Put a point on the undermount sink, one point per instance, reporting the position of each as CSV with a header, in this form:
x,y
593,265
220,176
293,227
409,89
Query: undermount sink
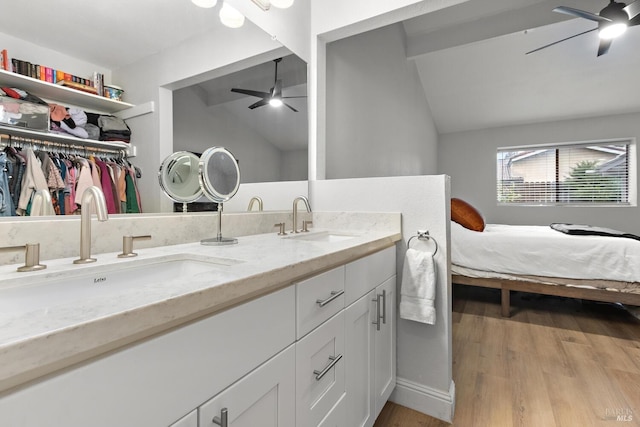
x,y
105,281
323,236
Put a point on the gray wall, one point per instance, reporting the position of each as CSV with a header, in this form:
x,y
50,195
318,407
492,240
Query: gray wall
x,y
470,159
197,127
378,119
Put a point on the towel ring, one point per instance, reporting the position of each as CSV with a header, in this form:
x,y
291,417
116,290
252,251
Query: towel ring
x,y
424,235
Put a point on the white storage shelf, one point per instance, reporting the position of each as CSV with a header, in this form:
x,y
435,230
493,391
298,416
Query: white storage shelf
x,y
61,94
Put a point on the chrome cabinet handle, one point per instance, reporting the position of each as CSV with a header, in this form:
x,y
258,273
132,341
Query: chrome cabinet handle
x,y
334,295
333,360
377,321
384,306
222,419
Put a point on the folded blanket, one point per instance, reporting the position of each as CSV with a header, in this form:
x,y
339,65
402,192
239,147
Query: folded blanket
x,y
589,230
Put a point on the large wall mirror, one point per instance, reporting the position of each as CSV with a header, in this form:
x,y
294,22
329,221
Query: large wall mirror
x,y
269,142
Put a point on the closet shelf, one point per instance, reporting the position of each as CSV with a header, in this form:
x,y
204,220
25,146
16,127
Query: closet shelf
x,y
61,94
69,140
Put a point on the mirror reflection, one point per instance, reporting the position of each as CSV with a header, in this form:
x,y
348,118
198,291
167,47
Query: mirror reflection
x,y
178,177
270,142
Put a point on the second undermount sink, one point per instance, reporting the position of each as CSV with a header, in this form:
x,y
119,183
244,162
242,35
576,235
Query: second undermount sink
x,y
323,236
108,281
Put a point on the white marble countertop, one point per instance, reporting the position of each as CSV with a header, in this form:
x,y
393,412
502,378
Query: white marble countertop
x,y
44,330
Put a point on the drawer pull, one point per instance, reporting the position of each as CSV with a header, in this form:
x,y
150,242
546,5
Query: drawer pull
x,y
222,419
384,306
332,361
378,317
334,295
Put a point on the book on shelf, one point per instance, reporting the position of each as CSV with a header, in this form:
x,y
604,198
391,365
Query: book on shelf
x,y
4,61
78,86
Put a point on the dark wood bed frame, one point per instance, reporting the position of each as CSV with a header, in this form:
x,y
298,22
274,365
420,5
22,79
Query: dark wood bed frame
x,y
506,286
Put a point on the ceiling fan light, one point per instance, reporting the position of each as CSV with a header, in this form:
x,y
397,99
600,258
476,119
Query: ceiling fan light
x,y
230,17
205,3
282,4
613,30
276,102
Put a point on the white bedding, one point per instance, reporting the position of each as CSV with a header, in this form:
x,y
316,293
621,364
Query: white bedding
x,y
541,251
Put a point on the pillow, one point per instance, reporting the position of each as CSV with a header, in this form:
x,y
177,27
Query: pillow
x,y
466,215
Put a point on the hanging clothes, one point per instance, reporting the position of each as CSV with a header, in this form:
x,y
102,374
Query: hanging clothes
x,y
32,180
6,170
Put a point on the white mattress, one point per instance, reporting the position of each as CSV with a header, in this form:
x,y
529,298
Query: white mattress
x,y
541,251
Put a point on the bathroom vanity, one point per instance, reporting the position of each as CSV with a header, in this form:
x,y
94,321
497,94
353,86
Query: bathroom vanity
x,y
294,330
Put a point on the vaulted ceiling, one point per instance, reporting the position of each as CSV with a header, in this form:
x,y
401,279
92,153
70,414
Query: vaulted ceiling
x,y
470,57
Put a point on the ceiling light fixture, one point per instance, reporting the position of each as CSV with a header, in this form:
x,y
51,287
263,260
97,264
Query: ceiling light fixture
x,y
276,102
205,3
230,17
612,30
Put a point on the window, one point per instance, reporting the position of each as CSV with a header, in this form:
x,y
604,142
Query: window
x,y
588,173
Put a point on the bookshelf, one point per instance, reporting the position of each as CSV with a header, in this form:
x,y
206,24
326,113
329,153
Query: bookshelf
x,y
61,94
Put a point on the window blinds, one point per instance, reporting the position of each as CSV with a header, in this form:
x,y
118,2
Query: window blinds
x,y
581,173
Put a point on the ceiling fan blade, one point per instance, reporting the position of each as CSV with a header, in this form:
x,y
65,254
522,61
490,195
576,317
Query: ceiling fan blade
x,y
604,46
252,92
260,103
633,10
635,21
290,107
560,41
581,14
289,97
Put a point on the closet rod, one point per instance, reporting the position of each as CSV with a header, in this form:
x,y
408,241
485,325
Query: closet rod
x,y
58,147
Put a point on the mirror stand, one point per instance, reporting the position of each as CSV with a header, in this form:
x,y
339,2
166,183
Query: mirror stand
x,y
219,240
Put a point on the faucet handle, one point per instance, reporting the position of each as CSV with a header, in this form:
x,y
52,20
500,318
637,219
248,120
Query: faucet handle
x,y
281,232
31,256
306,223
127,245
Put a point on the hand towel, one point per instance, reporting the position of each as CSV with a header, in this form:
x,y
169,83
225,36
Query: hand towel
x,y
418,288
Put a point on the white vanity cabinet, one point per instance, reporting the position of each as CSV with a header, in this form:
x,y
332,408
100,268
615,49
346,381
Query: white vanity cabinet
x,y
370,336
293,358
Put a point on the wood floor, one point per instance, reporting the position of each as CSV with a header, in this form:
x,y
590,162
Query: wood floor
x,y
556,362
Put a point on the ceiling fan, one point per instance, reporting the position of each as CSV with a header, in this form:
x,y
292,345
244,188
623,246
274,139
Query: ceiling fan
x,y
612,21
273,97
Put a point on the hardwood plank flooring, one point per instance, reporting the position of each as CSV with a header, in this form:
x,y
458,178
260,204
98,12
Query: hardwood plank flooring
x,y
557,362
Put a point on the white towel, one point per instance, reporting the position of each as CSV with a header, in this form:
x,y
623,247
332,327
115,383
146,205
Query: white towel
x,y
418,289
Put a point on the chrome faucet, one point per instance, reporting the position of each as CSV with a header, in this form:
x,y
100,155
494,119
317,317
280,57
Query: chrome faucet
x,y
295,211
92,196
255,199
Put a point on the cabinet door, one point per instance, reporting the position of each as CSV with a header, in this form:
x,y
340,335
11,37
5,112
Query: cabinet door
x,y
265,397
336,417
359,352
189,420
320,371
385,346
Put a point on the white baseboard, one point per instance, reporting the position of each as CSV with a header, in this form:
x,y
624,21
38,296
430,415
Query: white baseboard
x,y
435,403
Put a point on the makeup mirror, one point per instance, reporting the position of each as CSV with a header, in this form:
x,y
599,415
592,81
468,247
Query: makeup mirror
x,y
179,178
219,177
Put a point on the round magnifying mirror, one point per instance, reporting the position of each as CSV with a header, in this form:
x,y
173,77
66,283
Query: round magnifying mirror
x,y
219,174
179,178
219,178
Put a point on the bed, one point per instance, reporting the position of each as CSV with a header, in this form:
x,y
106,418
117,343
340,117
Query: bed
x,y
541,260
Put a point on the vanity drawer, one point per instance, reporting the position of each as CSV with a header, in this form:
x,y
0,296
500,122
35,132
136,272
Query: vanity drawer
x,y
317,299
363,275
320,375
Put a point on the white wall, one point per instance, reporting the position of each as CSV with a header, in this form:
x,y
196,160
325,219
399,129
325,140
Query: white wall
x,y
20,49
470,159
424,352
378,121
197,127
